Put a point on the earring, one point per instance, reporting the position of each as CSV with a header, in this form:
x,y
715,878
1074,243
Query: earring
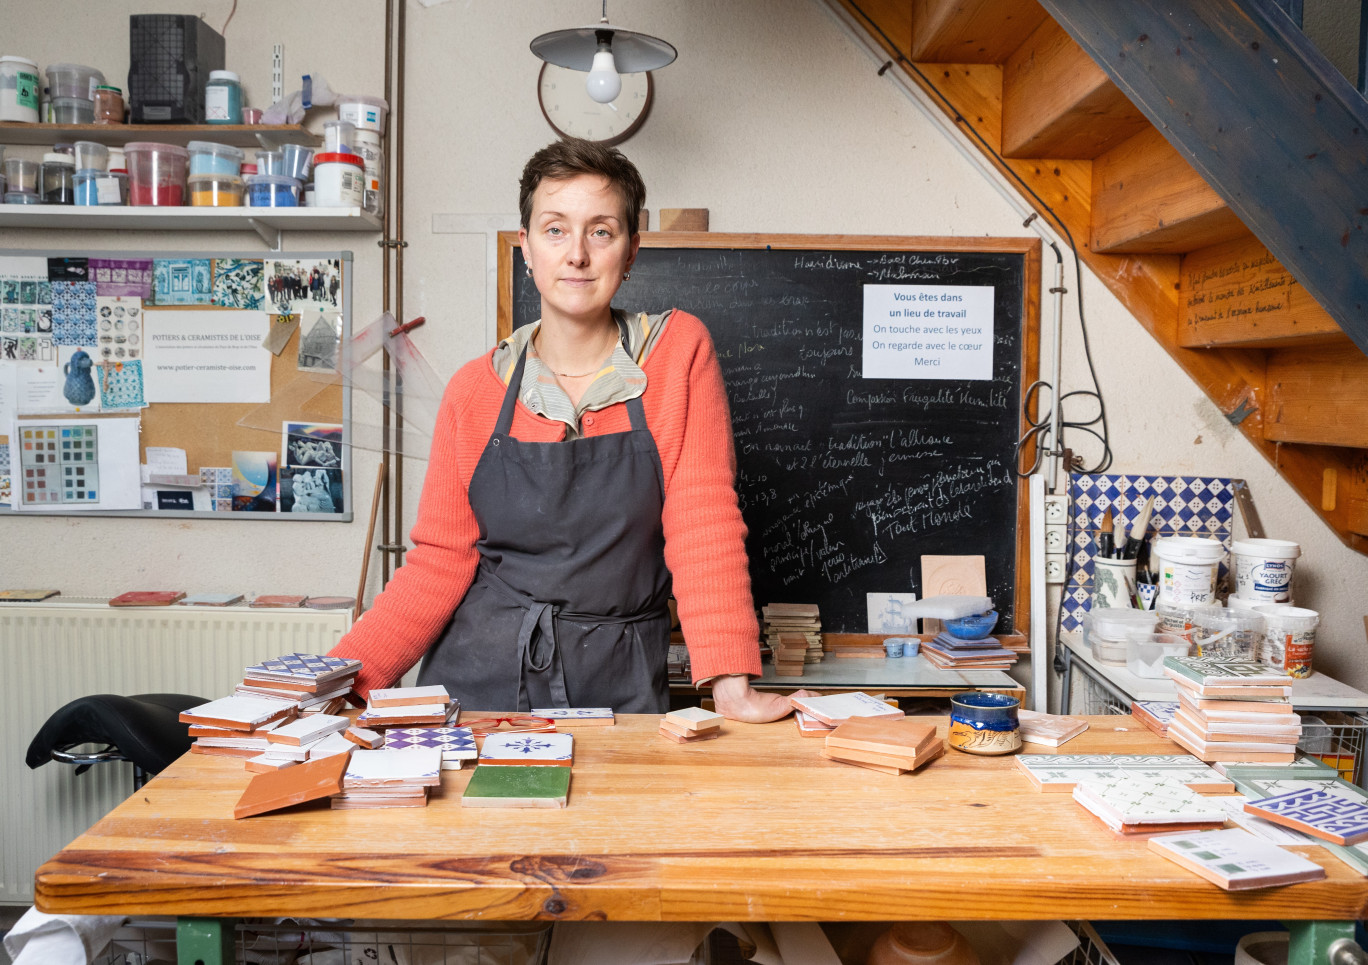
x,y
626,276
529,271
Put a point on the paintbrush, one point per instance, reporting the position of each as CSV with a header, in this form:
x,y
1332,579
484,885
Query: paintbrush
x,y
1137,533
1119,537
1104,538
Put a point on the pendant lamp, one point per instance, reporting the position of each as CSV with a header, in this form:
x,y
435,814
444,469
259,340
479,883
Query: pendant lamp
x,y
604,51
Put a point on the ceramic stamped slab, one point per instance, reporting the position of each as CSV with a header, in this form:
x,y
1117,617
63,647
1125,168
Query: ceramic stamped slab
x,y
1137,800
308,665
554,749
1060,772
1262,781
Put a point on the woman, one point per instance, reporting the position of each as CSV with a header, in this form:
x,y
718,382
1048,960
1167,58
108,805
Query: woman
x,y
577,471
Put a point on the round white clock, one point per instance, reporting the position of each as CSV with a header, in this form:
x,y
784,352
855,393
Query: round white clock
x,y
571,112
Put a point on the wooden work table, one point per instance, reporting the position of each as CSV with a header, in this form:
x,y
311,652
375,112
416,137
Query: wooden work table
x,y
754,827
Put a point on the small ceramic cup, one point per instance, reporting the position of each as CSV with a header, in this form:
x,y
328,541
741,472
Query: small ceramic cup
x,y
984,723
893,648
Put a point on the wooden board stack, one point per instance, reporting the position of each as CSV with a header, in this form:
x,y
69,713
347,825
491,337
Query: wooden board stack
x,y
952,653
314,683
789,651
522,771
794,628
690,725
409,707
389,778
854,645
888,746
1133,805
1232,710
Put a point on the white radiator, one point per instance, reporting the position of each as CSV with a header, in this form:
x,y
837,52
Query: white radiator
x,y
51,653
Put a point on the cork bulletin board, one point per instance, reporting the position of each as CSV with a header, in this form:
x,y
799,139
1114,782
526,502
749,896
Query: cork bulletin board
x,y
224,365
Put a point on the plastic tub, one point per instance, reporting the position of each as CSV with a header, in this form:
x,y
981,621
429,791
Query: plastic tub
x,y
296,161
339,137
215,190
19,89
1228,634
1263,569
1289,638
367,113
108,105
367,144
339,181
72,110
251,115
206,157
73,80
156,173
91,155
1186,568
117,161
270,162
21,174
272,191
223,98
1145,652
22,197
1106,629
59,179
247,169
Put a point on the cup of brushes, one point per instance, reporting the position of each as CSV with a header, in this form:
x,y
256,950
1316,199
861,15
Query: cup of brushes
x,y
1121,568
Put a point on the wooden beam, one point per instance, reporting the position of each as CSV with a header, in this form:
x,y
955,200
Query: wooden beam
x,y
1264,118
1146,198
894,18
1057,103
971,31
1236,293
1318,394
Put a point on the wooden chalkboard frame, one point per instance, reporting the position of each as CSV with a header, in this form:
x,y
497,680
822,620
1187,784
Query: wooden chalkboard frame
x,y
1028,248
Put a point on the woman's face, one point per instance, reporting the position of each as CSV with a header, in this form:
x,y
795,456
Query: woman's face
x,y
577,246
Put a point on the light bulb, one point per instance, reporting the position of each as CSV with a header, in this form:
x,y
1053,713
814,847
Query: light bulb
x,y
604,84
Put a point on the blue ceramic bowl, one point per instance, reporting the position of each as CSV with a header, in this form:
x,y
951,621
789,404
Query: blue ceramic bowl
x,y
973,627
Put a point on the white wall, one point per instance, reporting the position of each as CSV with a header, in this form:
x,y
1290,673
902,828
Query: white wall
x,y
772,118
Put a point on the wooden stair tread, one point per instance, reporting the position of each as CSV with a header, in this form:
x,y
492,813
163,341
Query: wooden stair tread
x,y
971,31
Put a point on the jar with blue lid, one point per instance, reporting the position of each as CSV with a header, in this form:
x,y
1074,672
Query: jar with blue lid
x,y
272,191
223,98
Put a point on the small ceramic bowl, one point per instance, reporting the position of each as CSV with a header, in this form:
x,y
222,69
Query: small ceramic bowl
x,y
972,627
984,723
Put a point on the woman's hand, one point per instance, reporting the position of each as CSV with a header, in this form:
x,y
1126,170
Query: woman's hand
x,y
735,699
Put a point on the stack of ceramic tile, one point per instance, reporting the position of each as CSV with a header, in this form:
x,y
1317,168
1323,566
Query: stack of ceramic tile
x,y
809,726
1154,714
890,746
236,726
790,653
1232,710
951,652
302,739
834,709
315,683
409,707
389,778
1130,804
690,725
1236,860
677,662
1050,730
457,744
790,622
522,771
577,716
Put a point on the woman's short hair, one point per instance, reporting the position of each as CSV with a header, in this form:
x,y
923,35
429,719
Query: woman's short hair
x,y
573,156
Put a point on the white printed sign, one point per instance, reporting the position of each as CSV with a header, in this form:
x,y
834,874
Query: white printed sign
x,y
206,356
928,332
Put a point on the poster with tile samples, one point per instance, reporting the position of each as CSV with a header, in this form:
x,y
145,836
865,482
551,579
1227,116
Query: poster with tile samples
x,y
77,333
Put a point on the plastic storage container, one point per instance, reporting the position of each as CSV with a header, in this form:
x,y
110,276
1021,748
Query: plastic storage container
x,y
339,181
272,191
108,105
1289,638
1228,634
1187,567
270,162
72,110
215,190
1145,652
367,113
156,173
73,80
20,89
207,157
91,155
296,161
59,179
101,188
223,98
1106,630
339,137
1262,569
22,197
367,144
21,174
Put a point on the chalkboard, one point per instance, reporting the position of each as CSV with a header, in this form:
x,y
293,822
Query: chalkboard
x,y
846,482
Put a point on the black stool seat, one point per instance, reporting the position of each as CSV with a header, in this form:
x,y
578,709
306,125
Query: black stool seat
x,y
144,728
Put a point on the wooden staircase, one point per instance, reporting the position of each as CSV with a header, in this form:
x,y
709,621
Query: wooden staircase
x,y
1166,240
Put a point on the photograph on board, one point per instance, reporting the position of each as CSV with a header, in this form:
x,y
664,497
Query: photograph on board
x,y
312,445
297,285
238,283
254,482
310,490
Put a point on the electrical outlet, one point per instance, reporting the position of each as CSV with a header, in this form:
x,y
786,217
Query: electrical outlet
x,y
1054,568
1055,538
1056,510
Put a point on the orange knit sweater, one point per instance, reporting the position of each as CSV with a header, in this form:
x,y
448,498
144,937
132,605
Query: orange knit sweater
x,y
686,411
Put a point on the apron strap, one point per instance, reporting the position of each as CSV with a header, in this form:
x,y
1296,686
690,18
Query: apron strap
x,y
510,400
537,652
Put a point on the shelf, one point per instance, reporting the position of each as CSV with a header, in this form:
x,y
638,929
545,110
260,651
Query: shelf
x,y
238,135
266,222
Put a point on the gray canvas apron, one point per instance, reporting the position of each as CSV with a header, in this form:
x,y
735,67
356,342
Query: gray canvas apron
x,y
568,606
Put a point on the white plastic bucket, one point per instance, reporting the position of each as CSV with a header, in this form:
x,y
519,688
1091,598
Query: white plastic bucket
x,y
367,113
1289,638
367,145
1263,569
338,181
19,89
1187,567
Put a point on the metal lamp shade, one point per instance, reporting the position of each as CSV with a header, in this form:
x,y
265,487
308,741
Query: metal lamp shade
x,y
574,48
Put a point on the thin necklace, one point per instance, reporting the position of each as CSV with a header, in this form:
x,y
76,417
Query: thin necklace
x,y
567,375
